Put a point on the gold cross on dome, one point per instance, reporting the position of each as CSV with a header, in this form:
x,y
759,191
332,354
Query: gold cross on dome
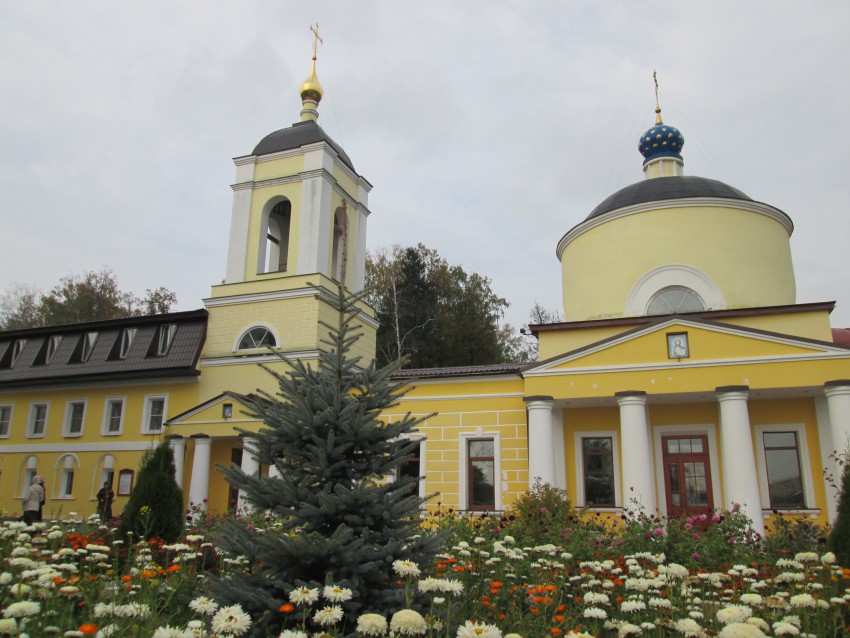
x,y
316,38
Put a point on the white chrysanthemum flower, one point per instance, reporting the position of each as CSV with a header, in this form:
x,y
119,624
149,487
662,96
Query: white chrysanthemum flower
x,y
741,630
408,622
785,629
107,631
204,606
689,628
596,598
751,599
19,589
231,620
168,632
510,540
328,616
734,614
6,578
569,634
828,558
628,629
406,568
782,563
595,613
806,557
371,625
22,609
8,627
293,633
337,594
478,630
304,595
631,606
660,603
802,600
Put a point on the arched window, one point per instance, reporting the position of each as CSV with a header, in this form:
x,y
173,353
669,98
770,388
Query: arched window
x,y
257,337
63,479
674,300
338,240
29,468
104,471
277,237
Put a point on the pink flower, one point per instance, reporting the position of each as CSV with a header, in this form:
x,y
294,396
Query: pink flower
x,y
658,531
716,518
697,537
688,526
695,556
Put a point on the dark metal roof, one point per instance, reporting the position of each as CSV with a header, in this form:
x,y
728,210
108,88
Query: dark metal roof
x,y
661,188
461,371
140,361
296,136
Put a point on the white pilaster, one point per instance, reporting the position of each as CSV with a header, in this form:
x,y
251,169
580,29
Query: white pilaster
x,y
178,448
638,486
541,455
237,247
250,466
314,225
838,417
740,476
199,486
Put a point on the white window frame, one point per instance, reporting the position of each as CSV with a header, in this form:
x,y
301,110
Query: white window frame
x,y
65,472
579,465
146,414
463,487
805,465
104,470
246,330
8,408
17,348
53,343
709,431
31,419
66,426
164,338
89,339
104,430
29,468
127,337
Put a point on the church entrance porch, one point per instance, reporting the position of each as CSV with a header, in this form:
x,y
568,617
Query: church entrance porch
x,y
687,475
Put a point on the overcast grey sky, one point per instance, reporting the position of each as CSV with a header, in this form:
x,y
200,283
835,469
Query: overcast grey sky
x,y
488,128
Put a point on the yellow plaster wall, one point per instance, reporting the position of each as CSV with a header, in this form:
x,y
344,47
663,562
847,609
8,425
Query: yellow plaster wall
x,y
283,167
811,325
747,255
554,343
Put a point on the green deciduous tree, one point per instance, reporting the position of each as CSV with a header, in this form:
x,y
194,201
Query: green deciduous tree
x,y
92,296
344,524
155,508
435,313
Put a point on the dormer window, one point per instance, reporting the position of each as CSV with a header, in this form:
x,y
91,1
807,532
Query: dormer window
x,y
48,349
257,337
13,351
164,337
127,336
84,348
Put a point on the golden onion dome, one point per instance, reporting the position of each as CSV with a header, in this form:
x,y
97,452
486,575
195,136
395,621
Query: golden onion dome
x,y
311,89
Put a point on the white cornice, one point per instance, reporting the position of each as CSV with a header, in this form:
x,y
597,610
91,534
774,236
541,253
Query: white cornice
x,y
67,446
685,202
212,362
255,297
469,397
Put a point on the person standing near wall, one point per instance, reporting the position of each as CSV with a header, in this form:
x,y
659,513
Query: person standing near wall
x,y
33,500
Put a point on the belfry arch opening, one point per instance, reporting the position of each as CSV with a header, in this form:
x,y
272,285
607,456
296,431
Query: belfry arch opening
x,y
274,241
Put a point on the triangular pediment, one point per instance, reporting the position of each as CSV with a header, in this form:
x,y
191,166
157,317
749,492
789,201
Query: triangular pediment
x,y
679,342
215,411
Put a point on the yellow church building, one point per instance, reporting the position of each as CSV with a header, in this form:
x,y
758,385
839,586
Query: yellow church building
x,y
685,377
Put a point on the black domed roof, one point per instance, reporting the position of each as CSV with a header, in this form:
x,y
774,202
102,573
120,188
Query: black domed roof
x,y
296,136
661,188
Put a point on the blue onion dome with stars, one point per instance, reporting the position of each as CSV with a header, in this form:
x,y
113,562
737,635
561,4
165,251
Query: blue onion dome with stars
x,y
662,140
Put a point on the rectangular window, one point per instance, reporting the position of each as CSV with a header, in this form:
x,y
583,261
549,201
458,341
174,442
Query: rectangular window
x,y
127,337
5,419
38,419
598,466
67,482
154,414
784,477
75,414
113,416
164,338
481,474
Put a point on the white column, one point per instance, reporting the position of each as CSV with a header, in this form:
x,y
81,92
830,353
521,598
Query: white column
x,y
199,487
541,455
178,448
250,466
273,471
838,410
638,483
740,477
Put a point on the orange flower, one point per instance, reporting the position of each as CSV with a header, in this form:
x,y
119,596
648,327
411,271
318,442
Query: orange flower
x,y
58,580
555,631
126,577
87,629
147,573
561,608
286,608
496,583
534,610
173,568
494,591
619,599
559,618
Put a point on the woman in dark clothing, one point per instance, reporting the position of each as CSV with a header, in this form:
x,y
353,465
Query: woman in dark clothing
x,y
105,496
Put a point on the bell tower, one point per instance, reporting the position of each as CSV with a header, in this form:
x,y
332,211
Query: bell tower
x,y
299,207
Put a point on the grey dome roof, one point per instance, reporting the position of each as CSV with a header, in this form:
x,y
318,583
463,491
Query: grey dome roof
x,y
296,136
661,188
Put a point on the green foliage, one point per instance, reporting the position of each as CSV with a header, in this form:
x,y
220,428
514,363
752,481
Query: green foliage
x,y
435,313
155,506
839,538
540,515
789,535
340,523
93,296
